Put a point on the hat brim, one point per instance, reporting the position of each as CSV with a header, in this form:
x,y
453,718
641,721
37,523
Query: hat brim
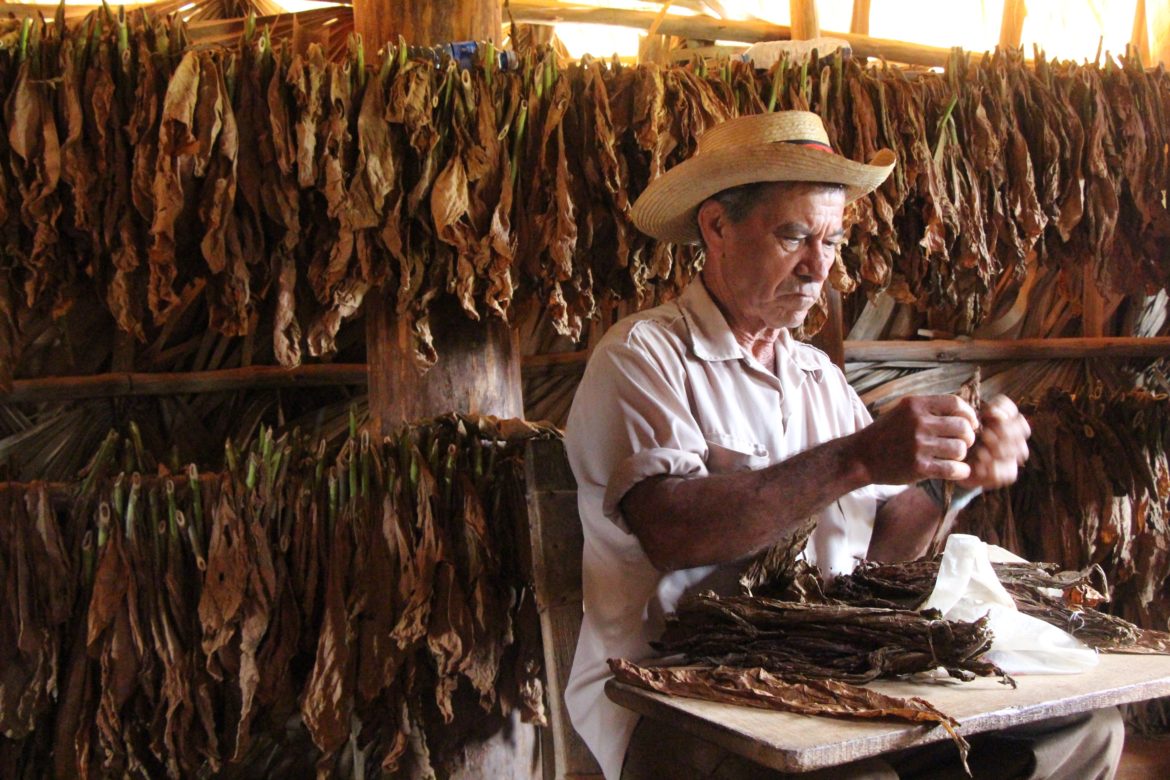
x,y
666,208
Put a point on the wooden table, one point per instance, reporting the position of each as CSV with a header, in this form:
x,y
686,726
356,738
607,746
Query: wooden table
x,y
800,743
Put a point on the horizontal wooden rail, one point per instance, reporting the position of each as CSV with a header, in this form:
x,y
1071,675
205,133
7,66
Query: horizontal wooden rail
x,y
71,388
707,28
977,350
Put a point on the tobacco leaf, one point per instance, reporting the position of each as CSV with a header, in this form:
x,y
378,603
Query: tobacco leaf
x,y
755,687
178,147
775,569
33,139
488,603
222,600
38,595
328,694
281,199
255,624
222,244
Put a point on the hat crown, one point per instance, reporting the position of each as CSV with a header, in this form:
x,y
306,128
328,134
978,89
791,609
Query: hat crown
x,y
778,127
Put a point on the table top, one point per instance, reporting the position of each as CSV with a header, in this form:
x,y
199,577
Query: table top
x,y
801,743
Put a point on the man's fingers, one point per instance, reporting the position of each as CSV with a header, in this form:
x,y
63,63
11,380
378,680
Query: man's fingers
x,y
938,468
947,448
1005,432
989,472
1002,410
952,406
952,427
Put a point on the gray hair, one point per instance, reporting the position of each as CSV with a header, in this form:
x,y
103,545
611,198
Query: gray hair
x,y
738,202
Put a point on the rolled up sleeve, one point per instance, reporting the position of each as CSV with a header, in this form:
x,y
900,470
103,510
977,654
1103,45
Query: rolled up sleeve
x,y
631,420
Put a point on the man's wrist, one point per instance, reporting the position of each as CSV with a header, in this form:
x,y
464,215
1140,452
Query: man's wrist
x,y
960,497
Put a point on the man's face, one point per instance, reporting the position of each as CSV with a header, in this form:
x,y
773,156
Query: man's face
x,y
767,271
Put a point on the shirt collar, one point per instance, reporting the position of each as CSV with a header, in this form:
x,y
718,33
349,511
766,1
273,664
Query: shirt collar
x,y
711,337
788,350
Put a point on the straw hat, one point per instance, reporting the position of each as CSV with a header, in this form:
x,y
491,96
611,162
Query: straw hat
x,y
781,146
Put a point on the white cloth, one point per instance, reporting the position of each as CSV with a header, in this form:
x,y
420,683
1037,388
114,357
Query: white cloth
x,y
670,391
967,588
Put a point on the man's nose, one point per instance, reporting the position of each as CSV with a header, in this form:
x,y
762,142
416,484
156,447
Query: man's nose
x,y
816,260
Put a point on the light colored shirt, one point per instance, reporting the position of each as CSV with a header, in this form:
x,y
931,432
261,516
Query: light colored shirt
x,y
670,391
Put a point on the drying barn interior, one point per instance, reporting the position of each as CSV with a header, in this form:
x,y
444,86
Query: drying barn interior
x,y
296,296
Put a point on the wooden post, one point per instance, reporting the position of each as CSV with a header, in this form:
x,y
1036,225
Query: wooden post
x,y
478,369
859,24
426,24
1140,38
1011,29
805,24
479,362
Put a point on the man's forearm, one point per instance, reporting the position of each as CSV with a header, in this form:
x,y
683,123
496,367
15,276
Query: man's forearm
x,y
683,523
904,526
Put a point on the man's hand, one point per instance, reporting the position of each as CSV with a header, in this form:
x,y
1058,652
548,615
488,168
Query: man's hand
x,y
923,437
942,427
1001,446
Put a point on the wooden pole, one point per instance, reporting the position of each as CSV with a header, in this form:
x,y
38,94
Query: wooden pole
x,y
1140,38
980,350
479,362
124,383
805,24
478,369
859,24
746,31
1011,29
426,23
653,47
72,388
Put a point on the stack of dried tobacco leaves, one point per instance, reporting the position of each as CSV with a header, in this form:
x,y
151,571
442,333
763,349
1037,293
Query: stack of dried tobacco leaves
x,y
809,658
299,608
284,187
823,641
1033,586
809,652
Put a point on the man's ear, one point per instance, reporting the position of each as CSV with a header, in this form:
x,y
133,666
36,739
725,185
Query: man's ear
x,y
712,220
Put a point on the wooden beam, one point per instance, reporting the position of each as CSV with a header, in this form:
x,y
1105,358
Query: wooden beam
x,y
805,24
1140,38
859,24
957,351
426,24
1011,28
983,350
120,384
706,28
72,388
699,27
478,370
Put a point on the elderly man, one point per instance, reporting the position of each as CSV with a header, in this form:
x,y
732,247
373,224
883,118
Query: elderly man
x,y
703,433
